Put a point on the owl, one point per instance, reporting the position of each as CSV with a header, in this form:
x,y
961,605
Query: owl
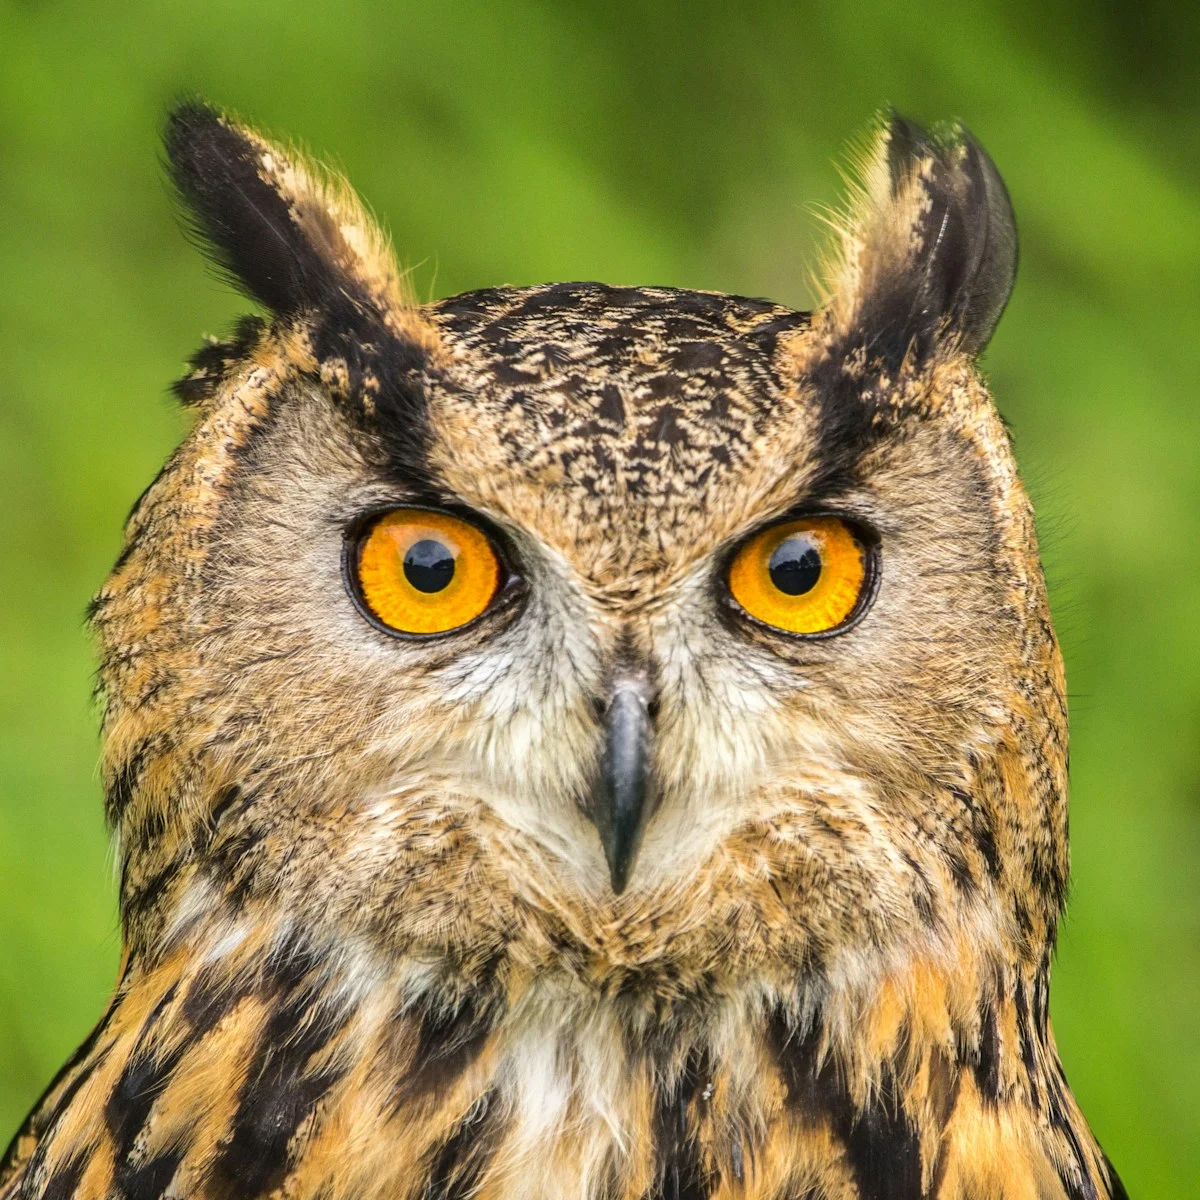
x,y
581,742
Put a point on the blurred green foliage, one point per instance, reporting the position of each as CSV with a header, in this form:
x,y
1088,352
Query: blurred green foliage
x,y
634,143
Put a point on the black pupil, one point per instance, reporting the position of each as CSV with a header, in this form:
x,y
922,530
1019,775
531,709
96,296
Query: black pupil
x,y
795,565
429,565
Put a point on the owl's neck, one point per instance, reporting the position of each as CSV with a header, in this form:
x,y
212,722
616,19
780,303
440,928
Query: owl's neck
x,y
248,1064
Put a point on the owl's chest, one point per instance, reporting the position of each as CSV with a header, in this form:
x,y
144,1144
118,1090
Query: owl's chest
x,y
575,1097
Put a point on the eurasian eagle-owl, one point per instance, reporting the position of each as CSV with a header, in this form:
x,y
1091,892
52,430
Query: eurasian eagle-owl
x,y
581,741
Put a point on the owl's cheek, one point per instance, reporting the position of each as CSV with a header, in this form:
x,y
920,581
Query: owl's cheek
x,y
721,776
724,716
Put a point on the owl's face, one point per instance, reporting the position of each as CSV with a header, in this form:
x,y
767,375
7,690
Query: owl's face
x,y
588,610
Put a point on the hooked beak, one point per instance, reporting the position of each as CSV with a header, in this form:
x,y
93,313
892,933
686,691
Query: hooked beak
x,y
623,798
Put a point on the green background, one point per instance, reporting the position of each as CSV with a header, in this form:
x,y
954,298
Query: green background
x,y
635,143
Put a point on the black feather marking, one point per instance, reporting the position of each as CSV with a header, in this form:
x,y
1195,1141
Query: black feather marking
x,y
986,1065
814,1088
448,1041
681,1173
458,1165
882,1145
956,289
142,1079
232,860
124,780
147,1180
983,829
245,223
985,839
1116,1188
1073,1173
384,382
280,1089
210,997
62,1183
1026,1040
968,255
853,415
210,365
136,903
251,230
272,1108
225,802
883,1148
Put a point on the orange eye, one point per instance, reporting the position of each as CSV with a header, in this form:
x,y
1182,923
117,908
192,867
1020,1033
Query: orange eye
x,y
426,572
803,576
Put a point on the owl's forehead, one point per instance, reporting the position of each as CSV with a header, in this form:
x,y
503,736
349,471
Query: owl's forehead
x,y
615,406
607,358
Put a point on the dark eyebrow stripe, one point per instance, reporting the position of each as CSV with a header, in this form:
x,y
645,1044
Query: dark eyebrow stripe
x,y
849,424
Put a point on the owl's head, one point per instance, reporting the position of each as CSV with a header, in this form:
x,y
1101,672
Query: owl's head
x,y
595,624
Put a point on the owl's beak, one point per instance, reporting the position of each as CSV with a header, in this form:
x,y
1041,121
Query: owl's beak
x,y
623,796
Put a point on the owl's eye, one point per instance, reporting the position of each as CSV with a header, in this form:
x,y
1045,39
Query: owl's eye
x,y
422,572
806,576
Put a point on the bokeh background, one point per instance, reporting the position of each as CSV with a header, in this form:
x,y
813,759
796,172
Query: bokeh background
x,y
683,144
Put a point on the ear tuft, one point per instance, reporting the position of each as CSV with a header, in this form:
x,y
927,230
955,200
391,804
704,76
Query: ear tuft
x,y
289,235
928,252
